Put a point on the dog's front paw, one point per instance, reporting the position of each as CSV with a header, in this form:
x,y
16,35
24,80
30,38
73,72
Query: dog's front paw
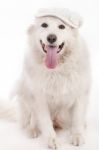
x,y
33,133
52,143
77,139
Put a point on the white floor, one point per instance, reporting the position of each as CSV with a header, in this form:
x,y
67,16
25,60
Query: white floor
x,y
13,138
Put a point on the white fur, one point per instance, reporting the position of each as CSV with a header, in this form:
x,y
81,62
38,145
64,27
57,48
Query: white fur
x,y
9,110
55,96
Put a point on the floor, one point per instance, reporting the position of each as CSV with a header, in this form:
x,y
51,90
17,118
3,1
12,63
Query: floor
x,y
13,138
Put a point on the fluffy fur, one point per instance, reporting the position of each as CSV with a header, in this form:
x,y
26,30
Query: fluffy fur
x,y
56,97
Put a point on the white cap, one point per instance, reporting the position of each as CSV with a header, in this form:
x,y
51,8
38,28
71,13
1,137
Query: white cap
x,y
68,17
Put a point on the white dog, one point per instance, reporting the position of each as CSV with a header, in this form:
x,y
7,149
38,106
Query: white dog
x,y
55,83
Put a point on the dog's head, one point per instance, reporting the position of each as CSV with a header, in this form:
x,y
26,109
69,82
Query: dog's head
x,y
51,40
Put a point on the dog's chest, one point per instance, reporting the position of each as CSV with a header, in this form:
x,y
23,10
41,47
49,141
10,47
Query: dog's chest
x,y
51,84
54,84
58,89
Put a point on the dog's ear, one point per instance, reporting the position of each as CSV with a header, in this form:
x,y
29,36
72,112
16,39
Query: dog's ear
x,y
30,29
75,20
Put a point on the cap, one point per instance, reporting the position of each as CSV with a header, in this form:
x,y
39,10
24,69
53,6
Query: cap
x,y
68,17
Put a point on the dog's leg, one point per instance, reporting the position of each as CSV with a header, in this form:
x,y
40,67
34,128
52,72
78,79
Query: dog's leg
x,y
32,129
27,119
78,121
45,123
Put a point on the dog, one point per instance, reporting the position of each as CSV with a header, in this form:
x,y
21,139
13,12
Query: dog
x,y
55,83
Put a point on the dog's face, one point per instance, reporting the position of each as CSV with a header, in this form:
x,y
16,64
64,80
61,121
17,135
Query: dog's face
x,y
52,39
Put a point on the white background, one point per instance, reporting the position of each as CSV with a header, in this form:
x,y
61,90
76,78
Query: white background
x,y
17,15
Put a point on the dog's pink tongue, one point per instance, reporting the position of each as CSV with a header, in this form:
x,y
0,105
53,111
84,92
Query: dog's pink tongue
x,y
51,59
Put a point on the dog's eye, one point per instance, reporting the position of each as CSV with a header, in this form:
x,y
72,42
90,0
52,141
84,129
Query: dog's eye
x,y
61,26
44,25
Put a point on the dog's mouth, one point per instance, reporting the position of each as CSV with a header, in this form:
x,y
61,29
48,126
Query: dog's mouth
x,y
44,46
51,58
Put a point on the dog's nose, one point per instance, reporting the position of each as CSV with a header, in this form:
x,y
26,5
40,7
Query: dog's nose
x,y
51,38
